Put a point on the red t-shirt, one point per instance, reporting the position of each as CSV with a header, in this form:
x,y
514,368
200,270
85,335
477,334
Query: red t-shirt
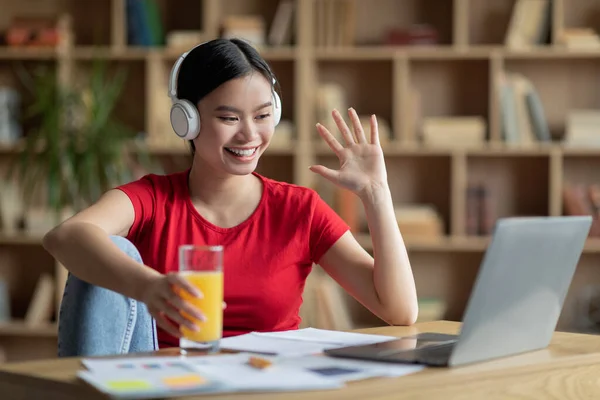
x,y
266,258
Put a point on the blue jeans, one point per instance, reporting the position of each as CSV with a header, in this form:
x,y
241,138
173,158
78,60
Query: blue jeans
x,y
95,321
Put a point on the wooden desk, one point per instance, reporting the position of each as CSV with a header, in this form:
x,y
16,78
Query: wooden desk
x,y
569,368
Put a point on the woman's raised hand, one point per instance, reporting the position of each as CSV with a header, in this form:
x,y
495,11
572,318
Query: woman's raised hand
x,y
362,167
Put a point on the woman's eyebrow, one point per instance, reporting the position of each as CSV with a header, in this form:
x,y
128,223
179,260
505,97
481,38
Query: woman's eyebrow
x,y
237,110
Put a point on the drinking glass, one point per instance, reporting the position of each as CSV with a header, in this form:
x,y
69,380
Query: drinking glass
x,y
202,267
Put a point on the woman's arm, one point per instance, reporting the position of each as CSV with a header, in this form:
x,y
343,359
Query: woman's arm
x,y
82,244
385,283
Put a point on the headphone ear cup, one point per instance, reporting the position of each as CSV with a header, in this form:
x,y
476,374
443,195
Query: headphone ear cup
x,y
276,108
185,119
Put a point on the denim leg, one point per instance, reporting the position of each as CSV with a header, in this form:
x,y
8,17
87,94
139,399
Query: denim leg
x,y
95,321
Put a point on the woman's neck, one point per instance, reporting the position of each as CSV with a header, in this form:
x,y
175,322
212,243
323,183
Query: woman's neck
x,y
217,191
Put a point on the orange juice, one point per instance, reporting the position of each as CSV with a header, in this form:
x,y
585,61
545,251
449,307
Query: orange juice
x,y
210,284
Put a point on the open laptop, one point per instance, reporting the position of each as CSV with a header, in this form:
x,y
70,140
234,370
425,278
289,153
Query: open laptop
x,y
516,300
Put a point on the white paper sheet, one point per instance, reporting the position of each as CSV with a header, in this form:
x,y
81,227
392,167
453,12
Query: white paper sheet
x,y
135,364
338,369
346,370
150,377
300,342
159,380
278,377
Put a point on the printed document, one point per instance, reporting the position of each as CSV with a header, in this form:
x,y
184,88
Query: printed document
x,y
299,342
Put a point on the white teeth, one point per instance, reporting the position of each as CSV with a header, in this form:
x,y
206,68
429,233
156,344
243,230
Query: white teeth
x,y
242,153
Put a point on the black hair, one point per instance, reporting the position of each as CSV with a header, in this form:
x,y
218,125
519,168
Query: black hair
x,y
215,62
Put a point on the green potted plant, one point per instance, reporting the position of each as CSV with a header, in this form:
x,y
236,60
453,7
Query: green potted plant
x,y
76,149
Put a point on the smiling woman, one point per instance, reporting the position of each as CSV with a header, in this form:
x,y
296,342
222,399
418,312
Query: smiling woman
x,y
225,103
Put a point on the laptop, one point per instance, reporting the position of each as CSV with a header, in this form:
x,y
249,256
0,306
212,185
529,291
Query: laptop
x,y
516,300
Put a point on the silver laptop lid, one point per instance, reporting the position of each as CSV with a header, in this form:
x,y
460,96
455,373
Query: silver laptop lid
x,y
521,286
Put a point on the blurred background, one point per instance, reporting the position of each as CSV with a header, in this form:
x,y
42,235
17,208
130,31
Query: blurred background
x,y
486,109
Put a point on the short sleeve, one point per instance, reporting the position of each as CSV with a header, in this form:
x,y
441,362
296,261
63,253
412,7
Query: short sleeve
x,y
142,194
325,229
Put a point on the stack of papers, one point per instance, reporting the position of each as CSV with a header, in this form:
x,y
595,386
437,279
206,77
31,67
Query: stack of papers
x,y
298,342
294,367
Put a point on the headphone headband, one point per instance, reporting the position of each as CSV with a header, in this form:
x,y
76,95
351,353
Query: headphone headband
x,y
175,73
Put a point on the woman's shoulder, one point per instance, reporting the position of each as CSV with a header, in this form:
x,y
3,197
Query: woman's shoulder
x,y
281,190
156,183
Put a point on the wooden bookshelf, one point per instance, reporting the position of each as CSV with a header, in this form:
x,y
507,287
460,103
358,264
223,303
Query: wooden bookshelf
x,y
455,77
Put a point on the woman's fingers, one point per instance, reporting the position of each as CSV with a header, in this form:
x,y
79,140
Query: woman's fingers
x,y
374,130
186,307
167,326
176,280
358,130
329,139
175,315
344,130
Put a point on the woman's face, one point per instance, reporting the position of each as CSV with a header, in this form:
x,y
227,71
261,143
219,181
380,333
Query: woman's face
x,y
236,125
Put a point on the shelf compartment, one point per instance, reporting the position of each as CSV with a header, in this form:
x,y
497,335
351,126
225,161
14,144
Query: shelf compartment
x,y
20,269
130,106
277,166
264,9
562,85
582,298
413,180
447,88
26,348
91,21
489,21
391,14
513,186
580,182
364,85
583,169
447,276
173,19
580,14
17,75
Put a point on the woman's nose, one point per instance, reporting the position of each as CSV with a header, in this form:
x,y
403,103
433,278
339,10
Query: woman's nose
x,y
249,131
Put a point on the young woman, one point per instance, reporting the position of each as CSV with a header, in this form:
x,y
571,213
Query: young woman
x,y
272,232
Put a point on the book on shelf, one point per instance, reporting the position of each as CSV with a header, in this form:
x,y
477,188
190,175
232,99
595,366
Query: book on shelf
x,y
582,128
42,303
529,25
281,30
480,213
419,221
579,39
522,117
453,131
250,28
335,23
413,35
143,23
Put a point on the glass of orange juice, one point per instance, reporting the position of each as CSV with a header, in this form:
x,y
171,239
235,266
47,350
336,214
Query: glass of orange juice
x,y
202,266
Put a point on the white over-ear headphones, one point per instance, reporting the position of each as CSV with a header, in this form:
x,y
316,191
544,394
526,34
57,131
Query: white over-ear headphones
x,y
185,119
